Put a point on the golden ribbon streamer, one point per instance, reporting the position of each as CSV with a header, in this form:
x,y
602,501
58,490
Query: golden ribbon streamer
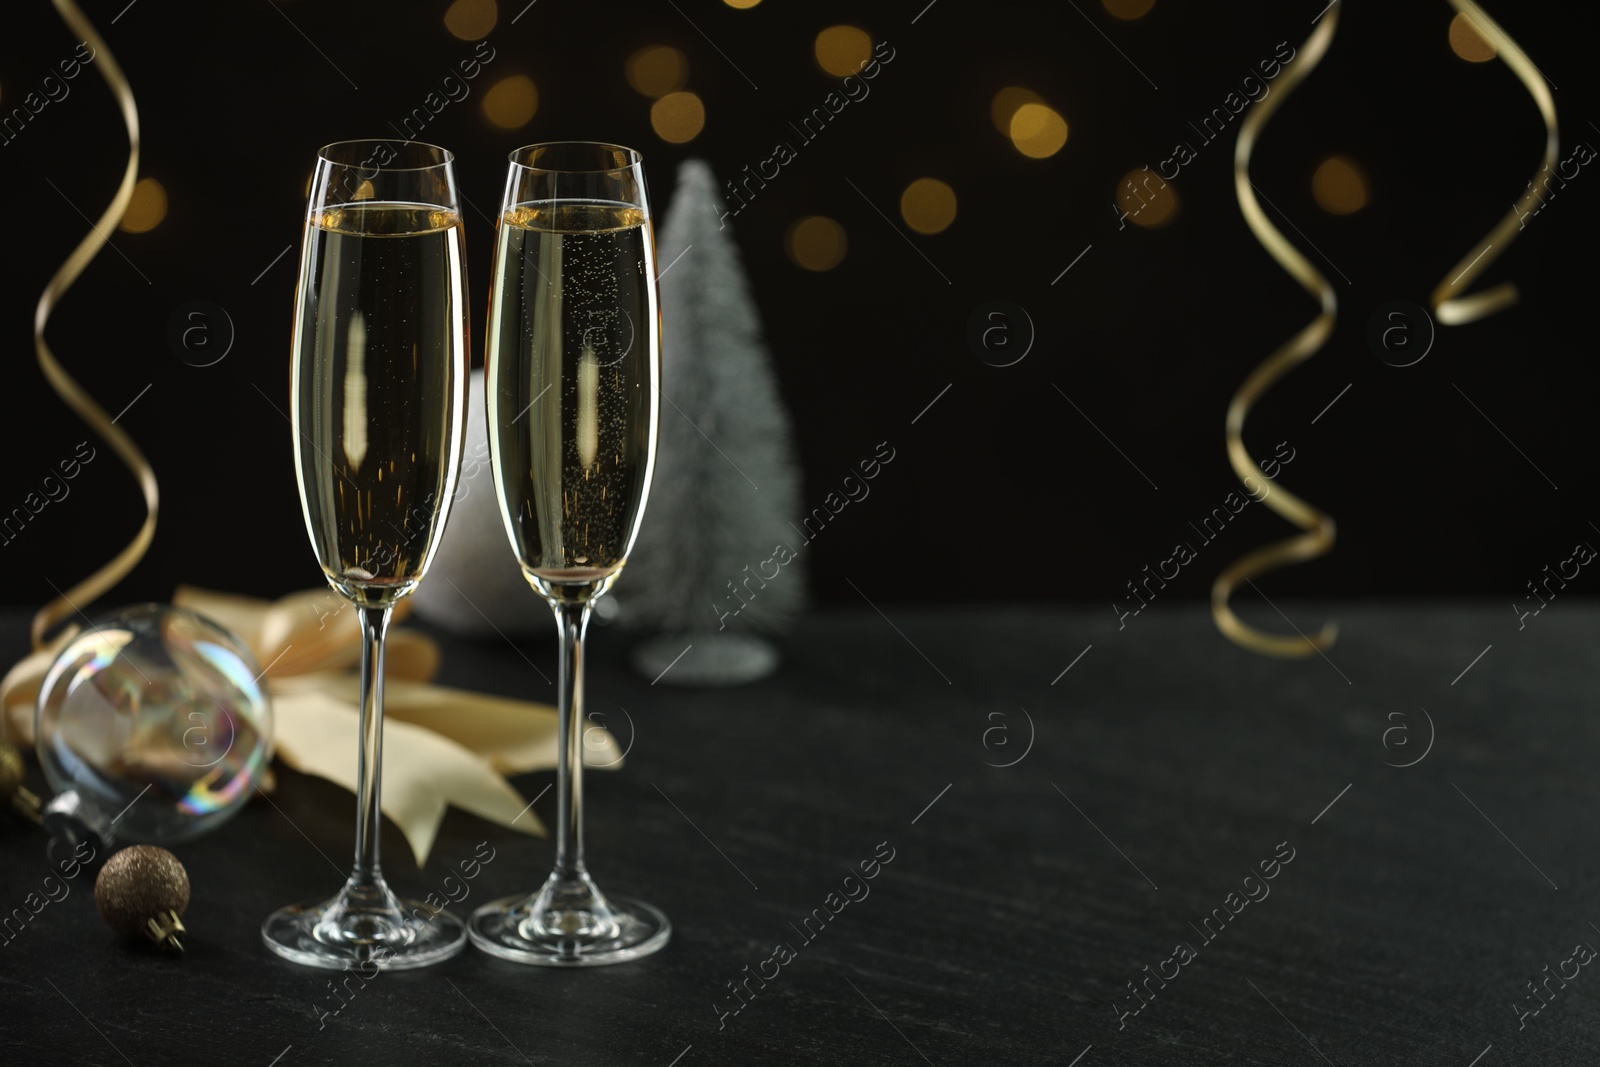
x,y
94,586
1317,540
1449,308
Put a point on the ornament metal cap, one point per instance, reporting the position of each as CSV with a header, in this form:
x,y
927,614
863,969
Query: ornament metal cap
x,y
68,818
164,929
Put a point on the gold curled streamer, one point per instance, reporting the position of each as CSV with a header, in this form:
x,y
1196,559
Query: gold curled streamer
x,y
1449,308
1317,540
94,586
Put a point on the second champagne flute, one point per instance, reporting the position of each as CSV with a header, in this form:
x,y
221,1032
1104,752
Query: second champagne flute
x,y
571,372
378,390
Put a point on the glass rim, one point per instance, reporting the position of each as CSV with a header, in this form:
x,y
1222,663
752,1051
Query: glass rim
x,y
517,156
446,157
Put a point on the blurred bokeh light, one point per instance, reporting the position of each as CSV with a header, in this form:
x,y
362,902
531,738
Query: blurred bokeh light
x,y
928,205
1340,186
678,117
841,50
147,208
657,70
471,20
816,243
1468,41
1038,131
1128,9
511,102
1149,201
1005,104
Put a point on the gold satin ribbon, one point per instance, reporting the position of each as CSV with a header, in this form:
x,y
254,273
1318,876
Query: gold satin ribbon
x,y
1317,540
442,747
1448,307
95,586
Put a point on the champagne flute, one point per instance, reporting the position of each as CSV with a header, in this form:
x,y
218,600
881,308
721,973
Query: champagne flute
x,y
379,397
571,372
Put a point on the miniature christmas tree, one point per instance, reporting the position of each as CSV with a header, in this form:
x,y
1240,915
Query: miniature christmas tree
x,y
715,563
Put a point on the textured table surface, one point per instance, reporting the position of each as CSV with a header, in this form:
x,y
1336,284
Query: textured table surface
x,y
1165,766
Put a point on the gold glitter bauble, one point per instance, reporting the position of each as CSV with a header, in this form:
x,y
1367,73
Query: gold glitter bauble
x,y
143,890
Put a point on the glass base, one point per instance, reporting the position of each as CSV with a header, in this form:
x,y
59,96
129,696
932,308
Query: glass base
x,y
364,925
569,923
719,659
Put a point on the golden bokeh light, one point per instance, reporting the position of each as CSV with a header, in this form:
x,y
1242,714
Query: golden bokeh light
x,y
147,208
742,5
1038,131
1468,41
1147,199
1128,9
471,20
678,117
928,205
1005,104
657,70
511,102
1339,186
841,50
816,243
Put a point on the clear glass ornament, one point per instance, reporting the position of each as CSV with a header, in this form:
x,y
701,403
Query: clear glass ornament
x,y
152,727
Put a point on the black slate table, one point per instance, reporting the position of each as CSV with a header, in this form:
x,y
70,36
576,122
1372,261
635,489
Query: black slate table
x,y
1022,904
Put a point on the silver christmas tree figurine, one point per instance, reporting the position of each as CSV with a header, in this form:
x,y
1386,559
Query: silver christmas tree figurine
x,y
716,563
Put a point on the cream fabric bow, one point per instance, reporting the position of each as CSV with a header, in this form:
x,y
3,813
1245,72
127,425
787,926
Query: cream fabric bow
x,y
441,746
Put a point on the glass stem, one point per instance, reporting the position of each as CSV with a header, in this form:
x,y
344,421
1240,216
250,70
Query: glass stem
x,y
369,768
573,620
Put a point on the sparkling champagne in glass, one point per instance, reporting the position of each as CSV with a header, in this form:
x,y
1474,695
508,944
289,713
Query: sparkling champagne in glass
x,y
571,374
378,388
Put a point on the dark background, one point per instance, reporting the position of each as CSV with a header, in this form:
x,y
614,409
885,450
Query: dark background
x,y
1027,893
1150,333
